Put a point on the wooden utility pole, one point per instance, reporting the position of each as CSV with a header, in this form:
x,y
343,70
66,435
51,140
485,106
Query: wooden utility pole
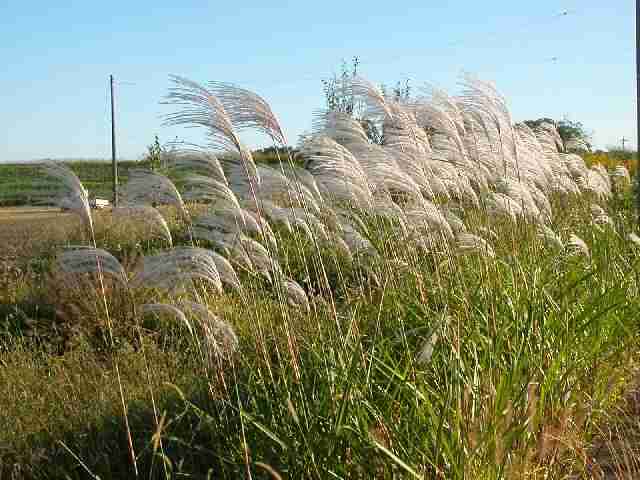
x,y
114,162
624,140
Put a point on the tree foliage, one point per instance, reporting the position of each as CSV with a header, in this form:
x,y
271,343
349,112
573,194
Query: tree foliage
x,y
575,136
339,98
155,153
336,89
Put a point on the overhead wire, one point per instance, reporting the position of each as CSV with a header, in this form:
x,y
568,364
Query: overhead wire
x,y
524,27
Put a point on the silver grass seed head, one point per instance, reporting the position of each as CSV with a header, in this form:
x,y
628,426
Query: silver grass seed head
x,y
219,337
73,196
83,259
576,246
165,309
150,188
622,174
199,162
634,239
469,243
247,110
172,268
200,107
296,296
147,215
550,237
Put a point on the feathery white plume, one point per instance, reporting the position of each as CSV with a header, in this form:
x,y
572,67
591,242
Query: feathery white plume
x,y
426,214
550,237
73,195
163,308
246,109
81,259
599,216
171,268
227,220
220,338
202,108
336,170
621,173
467,243
201,188
499,204
577,246
296,296
635,239
358,245
261,260
147,215
456,223
426,351
194,161
149,188
339,126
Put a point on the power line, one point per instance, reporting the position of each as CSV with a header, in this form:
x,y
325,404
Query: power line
x,y
382,60
525,26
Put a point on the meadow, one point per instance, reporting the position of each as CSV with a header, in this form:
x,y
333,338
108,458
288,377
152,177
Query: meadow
x,y
23,183
459,301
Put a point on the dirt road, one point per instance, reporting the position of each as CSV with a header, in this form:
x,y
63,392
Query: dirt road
x,y
24,230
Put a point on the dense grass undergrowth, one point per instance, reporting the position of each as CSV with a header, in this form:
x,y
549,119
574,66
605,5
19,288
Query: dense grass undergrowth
x,y
441,366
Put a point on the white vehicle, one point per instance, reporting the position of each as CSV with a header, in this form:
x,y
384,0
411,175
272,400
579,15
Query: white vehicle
x,y
99,203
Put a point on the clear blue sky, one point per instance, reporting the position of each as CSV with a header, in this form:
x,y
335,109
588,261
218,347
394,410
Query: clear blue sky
x,y
53,88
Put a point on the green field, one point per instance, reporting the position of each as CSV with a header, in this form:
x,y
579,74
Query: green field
x,y
23,183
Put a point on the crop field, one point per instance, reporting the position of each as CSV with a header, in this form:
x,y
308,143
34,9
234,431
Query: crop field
x,y
457,300
22,183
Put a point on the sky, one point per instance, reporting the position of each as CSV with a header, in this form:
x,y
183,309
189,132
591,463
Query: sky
x,y
569,59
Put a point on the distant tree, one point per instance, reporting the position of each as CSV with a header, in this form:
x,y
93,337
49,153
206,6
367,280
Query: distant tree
x,y
574,135
336,89
273,154
338,98
402,91
154,155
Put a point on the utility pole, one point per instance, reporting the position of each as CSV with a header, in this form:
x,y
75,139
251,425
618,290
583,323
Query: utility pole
x,y
624,140
114,162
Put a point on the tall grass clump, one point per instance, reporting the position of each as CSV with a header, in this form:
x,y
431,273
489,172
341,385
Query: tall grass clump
x,y
458,301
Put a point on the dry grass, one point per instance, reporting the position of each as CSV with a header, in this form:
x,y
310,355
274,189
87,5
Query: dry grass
x,y
23,230
615,447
